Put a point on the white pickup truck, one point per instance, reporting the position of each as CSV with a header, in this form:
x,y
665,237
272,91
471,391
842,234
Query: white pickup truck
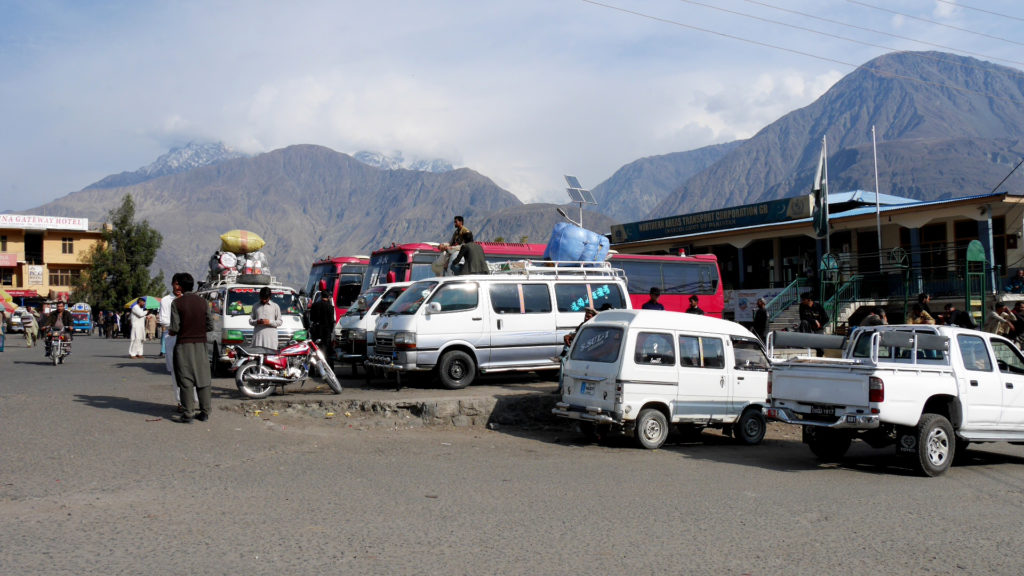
x,y
930,390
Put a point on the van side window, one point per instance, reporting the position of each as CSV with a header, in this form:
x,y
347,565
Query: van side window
x,y
576,297
714,352
749,355
701,352
457,296
505,298
974,353
536,298
520,298
654,348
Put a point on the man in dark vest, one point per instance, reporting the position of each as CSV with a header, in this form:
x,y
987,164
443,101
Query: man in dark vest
x,y
472,255
190,321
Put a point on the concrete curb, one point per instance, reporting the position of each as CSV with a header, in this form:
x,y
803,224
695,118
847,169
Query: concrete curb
x,y
526,409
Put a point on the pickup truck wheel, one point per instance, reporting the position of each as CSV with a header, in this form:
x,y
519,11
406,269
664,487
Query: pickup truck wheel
x,y
751,427
456,370
936,445
651,428
829,445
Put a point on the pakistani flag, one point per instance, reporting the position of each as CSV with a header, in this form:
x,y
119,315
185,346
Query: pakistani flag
x,y
819,213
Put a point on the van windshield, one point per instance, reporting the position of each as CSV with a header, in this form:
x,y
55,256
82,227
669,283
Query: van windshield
x,y
368,298
414,297
241,300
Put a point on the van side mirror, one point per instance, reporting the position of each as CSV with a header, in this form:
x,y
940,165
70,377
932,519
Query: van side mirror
x,y
433,308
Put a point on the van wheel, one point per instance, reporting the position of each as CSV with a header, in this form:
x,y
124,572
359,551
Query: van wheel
x,y
751,427
829,445
651,428
456,370
936,445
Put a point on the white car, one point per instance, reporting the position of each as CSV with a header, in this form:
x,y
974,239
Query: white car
x,y
15,324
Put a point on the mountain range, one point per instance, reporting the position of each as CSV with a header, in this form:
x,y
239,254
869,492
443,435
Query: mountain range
x,y
946,126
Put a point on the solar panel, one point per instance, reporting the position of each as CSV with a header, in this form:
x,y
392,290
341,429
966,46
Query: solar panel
x,y
573,182
588,197
576,194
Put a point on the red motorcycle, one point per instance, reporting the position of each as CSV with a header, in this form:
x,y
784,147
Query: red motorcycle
x,y
258,371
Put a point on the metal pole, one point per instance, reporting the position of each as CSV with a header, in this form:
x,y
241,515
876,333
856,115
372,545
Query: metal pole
x,y
828,226
878,207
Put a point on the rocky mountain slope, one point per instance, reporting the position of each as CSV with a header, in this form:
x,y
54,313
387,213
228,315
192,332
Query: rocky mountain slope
x,y
946,126
305,201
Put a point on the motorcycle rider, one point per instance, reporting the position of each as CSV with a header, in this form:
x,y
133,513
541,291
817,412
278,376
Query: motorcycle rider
x,y
58,320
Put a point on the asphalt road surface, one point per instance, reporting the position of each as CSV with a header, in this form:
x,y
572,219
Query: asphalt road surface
x,y
96,479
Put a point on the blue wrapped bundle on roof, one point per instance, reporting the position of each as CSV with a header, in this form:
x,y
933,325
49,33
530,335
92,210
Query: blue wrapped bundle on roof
x,y
570,243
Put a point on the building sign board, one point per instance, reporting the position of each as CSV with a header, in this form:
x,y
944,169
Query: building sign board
x,y
35,275
34,222
8,260
759,214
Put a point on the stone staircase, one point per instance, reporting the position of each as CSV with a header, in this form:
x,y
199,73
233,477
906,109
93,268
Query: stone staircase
x,y
789,319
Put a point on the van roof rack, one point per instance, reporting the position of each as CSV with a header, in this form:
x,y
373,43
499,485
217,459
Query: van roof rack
x,y
556,268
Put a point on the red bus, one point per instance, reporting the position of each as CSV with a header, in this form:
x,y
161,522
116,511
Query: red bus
x,y
411,262
679,277
343,279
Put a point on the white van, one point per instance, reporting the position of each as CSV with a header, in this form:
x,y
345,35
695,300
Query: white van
x,y
353,333
232,304
464,325
639,372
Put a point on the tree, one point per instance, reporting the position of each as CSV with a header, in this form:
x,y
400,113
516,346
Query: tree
x,y
118,267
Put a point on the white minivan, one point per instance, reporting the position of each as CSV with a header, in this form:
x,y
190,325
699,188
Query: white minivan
x,y
353,332
640,372
460,326
231,305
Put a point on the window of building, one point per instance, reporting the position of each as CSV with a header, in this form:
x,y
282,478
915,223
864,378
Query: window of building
x,y
67,245
6,277
3,243
63,276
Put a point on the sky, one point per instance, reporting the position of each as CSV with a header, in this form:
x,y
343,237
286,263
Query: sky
x,y
522,91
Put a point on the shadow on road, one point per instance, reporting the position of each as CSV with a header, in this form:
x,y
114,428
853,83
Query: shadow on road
x,y
126,405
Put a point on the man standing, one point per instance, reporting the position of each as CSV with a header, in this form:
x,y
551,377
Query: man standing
x,y
321,318
265,318
813,317
694,308
761,320
31,327
190,321
138,334
653,303
999,321
472,257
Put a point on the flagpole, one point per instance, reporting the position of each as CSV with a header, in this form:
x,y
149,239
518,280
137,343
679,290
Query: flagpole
x,y
824,203
878,205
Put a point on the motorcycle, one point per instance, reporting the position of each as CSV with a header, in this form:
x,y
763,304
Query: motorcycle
x,y
258,371
58,345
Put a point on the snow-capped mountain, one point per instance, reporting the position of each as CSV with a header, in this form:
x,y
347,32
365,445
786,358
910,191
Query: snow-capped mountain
x,y
182,159
398,162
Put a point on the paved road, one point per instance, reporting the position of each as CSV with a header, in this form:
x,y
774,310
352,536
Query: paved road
x,y
94,479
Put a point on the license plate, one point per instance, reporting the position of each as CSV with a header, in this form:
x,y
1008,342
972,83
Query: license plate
x,y
587,388
823,410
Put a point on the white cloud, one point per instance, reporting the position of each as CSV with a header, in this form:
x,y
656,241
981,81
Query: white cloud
x,y
522,92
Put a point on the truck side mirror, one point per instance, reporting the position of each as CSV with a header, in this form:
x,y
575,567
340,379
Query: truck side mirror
x,y
433,308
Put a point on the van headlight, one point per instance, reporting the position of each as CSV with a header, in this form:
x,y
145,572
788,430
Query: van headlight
x,y
406,340
357,334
